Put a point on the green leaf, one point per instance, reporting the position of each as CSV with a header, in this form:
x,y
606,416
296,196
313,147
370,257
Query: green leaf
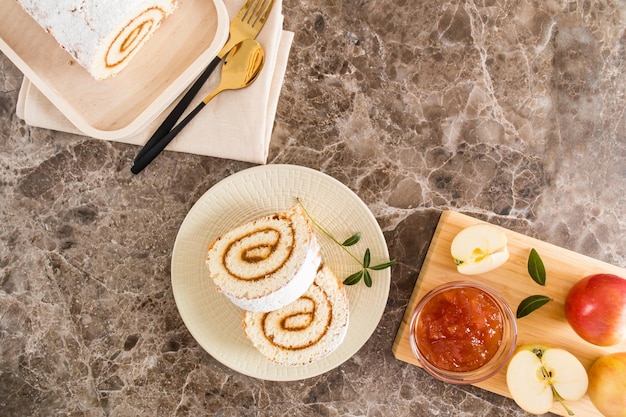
x,y
536,270
354,278
530,304
367,278
385,265
367,258
352,240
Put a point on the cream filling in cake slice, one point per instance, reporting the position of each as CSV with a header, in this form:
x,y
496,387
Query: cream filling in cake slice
x,y
267,263
306,330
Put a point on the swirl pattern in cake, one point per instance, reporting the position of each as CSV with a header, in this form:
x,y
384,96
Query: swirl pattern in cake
x,y
307,329
101,35
132,36
260,252
267,263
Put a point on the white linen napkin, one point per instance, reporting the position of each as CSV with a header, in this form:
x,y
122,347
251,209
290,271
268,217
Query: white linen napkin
x,y
235,125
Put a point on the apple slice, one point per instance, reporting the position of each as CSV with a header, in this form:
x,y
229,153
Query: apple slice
x,y
479,248
537,375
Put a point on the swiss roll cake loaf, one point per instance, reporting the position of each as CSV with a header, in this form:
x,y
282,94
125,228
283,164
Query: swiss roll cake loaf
x,y
267,263
101,35
306,330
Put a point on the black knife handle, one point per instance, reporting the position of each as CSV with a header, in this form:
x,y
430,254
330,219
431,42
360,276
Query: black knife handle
x,y
152,153
178,110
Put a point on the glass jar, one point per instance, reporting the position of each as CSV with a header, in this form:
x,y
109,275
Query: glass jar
x,y
463,332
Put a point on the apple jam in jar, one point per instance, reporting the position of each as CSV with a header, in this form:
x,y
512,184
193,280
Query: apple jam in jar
x,y
462,332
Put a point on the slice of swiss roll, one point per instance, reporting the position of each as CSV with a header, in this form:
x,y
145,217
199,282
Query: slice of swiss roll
x,y
101,35
267,263
306,330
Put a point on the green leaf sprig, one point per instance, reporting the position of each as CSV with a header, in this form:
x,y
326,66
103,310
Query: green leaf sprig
x,y
364,273
537,272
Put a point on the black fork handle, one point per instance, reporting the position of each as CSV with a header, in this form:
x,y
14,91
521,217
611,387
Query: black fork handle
x,y
150,154
178,110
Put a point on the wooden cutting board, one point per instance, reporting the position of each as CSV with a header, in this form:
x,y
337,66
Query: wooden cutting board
x,y
546,325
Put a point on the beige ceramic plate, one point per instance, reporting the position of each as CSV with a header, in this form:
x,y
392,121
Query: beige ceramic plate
x,y
215,322
120,106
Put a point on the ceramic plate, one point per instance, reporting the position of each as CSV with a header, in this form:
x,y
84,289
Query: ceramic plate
x,y
215,322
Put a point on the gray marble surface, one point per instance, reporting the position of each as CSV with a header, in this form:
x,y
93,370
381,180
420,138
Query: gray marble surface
x,y
511,111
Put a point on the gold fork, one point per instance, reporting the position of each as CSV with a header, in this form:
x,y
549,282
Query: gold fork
x,y
245,25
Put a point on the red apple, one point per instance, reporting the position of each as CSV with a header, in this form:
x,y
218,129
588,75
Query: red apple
x,y
595,307
607,384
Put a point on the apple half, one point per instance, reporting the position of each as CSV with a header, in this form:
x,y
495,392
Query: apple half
x,y
479,248
537,375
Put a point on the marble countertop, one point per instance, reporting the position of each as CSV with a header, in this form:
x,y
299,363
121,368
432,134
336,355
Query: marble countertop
x,y
510,111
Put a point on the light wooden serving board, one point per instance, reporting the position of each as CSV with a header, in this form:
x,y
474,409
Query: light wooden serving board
x,y
546,325
119,106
